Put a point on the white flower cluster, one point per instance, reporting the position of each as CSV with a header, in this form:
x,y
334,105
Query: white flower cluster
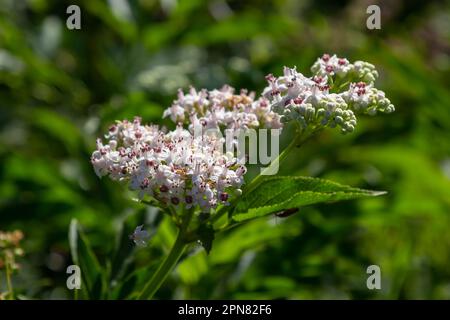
x,y
362,97
332,97
175,167
328,66
222,109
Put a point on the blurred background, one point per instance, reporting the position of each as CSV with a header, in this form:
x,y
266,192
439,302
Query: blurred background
x,y
60,89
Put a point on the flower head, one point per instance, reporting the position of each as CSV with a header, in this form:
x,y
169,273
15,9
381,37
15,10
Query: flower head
x,y
222,109
176,168
332,66
332,97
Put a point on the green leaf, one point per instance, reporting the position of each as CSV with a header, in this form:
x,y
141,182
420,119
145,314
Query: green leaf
x,y
131,285
92,275
53,124
276,194
125,249
193,267
253,236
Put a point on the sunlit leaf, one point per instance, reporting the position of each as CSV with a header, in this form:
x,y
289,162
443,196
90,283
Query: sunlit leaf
x,y
276,194
91,272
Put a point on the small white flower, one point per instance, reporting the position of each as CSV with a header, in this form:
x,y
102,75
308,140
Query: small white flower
x,y
140,237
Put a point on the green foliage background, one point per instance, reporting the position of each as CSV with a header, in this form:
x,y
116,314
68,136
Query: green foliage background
x,y
59,90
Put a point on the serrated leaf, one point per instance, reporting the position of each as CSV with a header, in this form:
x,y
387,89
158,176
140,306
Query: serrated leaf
x,y
276,194
92,275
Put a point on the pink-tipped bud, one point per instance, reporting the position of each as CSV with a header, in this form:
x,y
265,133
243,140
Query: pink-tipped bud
x,y
188,199
223,196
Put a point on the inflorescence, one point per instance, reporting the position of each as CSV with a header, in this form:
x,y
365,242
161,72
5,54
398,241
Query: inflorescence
x,y
222,109
180,168
332,97
174,167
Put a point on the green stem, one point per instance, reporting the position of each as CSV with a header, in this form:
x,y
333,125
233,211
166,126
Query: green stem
x,y
300,138
8,280
295,143
169,263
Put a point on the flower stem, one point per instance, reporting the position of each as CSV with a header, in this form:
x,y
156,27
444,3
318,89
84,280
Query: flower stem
x,y
169,263
300,138
295,143
8,280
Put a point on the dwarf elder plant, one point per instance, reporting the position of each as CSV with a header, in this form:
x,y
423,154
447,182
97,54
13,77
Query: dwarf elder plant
x,y
187,175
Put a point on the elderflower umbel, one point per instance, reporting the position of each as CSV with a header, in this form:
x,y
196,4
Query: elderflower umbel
x,y
328,66
222,109
337,91
175,167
